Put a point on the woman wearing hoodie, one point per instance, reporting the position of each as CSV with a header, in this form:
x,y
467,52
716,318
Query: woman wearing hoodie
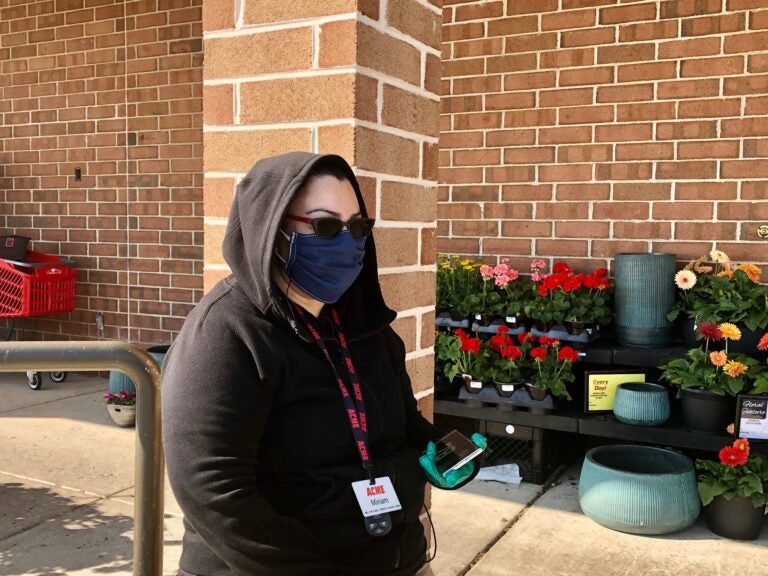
x,y
286,402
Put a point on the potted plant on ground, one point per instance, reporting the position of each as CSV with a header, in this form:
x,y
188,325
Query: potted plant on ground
x,y
715,289
710,379
121,407
734,491
507,361
551,368
465,357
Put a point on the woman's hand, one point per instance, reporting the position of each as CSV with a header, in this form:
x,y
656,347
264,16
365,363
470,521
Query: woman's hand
x,y
453,478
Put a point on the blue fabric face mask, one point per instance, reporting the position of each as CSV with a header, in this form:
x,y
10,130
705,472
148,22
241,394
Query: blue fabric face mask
x,y
324,268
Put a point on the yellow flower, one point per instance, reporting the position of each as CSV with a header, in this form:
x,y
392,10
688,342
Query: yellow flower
x,y
466,262
735,369
467,267
718,358
719,256
752,271
726,274
730,331
685,279
445,266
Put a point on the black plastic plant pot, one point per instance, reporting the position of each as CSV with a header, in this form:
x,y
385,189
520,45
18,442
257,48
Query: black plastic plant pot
x,y
705,411
737,518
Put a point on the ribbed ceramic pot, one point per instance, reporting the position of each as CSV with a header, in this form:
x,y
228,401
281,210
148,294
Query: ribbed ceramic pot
x,y
645,290
641,404
639,489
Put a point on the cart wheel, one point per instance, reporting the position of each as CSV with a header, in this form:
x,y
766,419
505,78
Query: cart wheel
x,y
57,376
35,381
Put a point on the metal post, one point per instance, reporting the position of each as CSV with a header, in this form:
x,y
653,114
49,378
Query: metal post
x,y
139,366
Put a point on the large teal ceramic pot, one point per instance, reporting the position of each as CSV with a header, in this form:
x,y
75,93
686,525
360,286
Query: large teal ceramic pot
x,y
119,381
645,291
641,404
639,489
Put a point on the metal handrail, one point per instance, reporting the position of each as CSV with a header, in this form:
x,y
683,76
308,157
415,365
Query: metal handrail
x,y
142,369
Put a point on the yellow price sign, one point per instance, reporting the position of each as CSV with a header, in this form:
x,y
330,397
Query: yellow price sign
x,y
600,389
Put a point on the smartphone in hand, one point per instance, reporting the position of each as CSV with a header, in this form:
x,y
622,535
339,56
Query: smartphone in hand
x,y
453,451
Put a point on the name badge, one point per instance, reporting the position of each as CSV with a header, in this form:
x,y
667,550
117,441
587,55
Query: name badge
x,y
378,498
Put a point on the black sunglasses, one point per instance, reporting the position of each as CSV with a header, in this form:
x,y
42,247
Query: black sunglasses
x,y
329,226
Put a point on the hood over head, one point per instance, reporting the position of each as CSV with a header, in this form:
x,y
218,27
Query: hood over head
x,y
262,199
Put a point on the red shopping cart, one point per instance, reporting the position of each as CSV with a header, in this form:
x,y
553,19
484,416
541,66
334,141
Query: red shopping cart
x,y
34,285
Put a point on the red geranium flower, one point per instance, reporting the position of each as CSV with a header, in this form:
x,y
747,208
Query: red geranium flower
x,y
731,456
543,340
561,267
567,354
471,345
539,354
499,341
600,273
763,344
502,329
554,342
460,334
511,352
711,331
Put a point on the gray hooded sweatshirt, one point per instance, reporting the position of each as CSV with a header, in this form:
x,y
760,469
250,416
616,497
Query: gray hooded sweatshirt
x,y
259,450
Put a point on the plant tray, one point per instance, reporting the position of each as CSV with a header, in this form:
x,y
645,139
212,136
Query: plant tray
x,y
559,332
519,398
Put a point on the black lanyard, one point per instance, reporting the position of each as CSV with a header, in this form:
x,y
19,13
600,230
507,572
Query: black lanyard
x,y
354,405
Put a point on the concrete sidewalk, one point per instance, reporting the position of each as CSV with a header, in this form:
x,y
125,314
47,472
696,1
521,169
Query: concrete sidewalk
x,y
66,508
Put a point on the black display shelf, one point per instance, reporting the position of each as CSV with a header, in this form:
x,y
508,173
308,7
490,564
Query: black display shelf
x,y
573,420
668,434
560,420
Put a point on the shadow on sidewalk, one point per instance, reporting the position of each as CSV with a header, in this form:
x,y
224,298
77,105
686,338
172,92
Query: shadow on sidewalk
x,y
44,532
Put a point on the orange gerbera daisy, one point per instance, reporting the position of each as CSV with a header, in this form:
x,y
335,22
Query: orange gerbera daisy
x,y
730,331
735,369
731,456
726,274
752,271
718,358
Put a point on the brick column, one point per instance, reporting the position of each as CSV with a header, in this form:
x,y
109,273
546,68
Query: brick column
x,y
359,78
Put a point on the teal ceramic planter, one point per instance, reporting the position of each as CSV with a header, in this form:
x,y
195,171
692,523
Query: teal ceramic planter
x,y
639,489
641,404
119,381
645,291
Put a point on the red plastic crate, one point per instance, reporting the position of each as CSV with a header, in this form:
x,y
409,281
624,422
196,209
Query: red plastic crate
x,y
47,287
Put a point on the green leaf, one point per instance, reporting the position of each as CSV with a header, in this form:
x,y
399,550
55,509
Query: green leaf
x,y
709,488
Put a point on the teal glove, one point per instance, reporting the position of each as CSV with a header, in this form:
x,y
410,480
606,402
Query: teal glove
x,y
453,478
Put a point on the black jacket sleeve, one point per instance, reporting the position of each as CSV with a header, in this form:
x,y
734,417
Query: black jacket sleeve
x,y
419,430
214,410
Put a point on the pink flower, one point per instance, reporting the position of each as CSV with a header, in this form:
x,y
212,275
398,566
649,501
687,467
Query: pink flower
x,y
536,277
486,271
501,269
501,280
538,263
513,274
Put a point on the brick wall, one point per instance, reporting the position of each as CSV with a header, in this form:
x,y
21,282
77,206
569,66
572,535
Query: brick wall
x,y
576,129
113,88
356,78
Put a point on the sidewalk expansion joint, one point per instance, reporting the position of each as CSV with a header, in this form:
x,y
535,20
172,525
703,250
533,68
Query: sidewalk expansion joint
x,y
555,481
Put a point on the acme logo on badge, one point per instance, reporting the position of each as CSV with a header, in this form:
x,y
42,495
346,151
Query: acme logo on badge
x,y
374,490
